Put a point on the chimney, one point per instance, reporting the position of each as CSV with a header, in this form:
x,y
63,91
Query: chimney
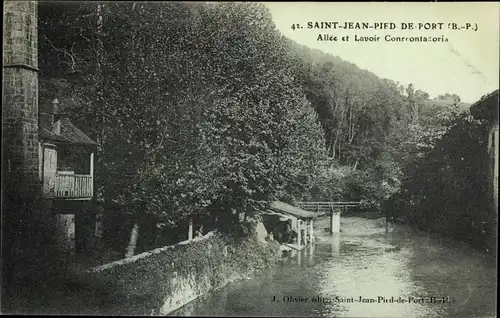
x,y
49,118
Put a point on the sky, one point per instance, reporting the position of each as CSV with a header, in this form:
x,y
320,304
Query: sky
x,y
466,65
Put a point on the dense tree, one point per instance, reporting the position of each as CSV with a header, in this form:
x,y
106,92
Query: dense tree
x,y
212,121
206,109
444,188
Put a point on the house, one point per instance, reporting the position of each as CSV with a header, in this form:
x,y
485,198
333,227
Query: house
x,y
66,172
66,157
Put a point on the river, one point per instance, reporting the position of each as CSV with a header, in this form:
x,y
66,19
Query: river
x,y
368,270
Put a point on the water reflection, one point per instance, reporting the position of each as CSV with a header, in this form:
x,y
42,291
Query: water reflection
x,y
341,273
335,243
454,270
310,253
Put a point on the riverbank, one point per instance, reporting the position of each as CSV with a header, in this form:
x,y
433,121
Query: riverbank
x,y
441,232
365,214
152,283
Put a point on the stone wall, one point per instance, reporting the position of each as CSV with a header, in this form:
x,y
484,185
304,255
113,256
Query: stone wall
x,y
162,280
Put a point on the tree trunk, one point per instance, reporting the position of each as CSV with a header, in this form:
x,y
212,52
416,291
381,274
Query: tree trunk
x,y
331,148
190,229
340,145
349,130
356,164
100,104
338,132
353,129
99,51
132,244
98,227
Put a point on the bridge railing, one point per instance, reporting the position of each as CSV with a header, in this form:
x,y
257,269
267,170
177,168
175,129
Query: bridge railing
x,y
324,207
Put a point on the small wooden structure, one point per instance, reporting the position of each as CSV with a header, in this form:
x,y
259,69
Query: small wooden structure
x,y
302,223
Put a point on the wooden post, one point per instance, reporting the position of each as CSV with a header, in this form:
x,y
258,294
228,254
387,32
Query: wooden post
x,y
99,228
331,221
299,258
133,240
298,232
49,169
304,233
65,235
92,173
307,233
311,231
190,230
310,254
92,164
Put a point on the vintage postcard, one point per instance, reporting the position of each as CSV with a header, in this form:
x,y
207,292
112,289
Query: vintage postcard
x,y
279,159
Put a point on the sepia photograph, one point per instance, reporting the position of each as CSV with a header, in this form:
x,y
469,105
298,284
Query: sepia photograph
x,y
247,159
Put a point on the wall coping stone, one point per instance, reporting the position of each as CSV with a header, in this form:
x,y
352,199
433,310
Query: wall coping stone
x,y
147,254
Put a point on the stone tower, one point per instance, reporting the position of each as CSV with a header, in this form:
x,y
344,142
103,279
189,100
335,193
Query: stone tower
x,y
20,158
20,98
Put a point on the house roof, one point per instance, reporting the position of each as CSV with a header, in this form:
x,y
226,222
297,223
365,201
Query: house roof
x,y
45,134
69,134
284,208
486,107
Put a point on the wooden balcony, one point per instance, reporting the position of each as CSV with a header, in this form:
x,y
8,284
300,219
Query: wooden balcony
x,y
63,185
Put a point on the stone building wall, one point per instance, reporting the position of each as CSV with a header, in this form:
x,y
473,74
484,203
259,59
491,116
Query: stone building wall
x,y
493,154
487,109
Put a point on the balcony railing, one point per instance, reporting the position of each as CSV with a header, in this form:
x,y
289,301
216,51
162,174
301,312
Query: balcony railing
x,y
71,186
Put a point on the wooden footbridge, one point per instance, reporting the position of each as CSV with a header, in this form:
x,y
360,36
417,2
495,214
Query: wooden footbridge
x,y
328,208
322,208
